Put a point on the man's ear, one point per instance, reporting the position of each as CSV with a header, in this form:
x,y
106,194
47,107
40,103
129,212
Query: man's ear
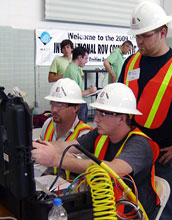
x,y
123,118
76,108
163,32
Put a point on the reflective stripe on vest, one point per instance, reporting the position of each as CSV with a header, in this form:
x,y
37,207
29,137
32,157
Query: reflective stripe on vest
x,y
49,132
79,127
102,142
154,96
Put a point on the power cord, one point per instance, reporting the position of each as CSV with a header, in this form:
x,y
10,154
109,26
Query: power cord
x,y
8,217
44,194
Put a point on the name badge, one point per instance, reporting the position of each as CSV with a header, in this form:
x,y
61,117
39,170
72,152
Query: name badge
x,y
133,74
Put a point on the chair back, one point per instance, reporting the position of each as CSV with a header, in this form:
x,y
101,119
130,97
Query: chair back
x,y
163,190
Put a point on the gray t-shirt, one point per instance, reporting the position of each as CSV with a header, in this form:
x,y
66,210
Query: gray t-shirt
x,y
138,154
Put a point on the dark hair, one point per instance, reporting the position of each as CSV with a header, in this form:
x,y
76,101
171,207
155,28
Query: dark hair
x,y
66,42
79,51
128,118
160,28
128,42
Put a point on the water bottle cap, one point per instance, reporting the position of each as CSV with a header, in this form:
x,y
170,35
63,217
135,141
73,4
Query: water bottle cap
x,y
57,202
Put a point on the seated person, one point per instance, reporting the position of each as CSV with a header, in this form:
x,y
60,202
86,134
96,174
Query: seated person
x,y
65,98
121,146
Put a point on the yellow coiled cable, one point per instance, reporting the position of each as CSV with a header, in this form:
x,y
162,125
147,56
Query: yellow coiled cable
x,y
102,193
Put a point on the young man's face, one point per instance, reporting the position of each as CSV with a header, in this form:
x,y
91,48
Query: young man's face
x,y
83,60
67,50
149,43
106,122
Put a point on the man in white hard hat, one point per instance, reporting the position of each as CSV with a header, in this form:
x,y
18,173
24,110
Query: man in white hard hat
x,y
148,74
65,98
124,148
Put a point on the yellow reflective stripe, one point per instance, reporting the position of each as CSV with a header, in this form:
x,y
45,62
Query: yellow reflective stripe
x,y
80,126
158,98
131,66
100,144
50,129
103,138
72,137
132,132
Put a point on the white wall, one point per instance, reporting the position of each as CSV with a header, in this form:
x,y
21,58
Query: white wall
x,y
24,14
29,15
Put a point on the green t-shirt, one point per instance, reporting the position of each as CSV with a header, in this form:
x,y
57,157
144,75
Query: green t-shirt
x,y
74,72
116,60
59,65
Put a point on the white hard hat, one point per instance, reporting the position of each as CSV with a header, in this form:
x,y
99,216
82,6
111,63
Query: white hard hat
x,y
65,90
147,16
117,97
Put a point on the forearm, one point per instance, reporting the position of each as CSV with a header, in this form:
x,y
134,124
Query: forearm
x,y
53,78
76,165
109,69
119,166
60,146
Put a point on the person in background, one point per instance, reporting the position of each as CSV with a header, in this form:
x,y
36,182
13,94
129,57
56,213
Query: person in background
x,y
59,64
121,146
74,71
65,98
113,63
148,74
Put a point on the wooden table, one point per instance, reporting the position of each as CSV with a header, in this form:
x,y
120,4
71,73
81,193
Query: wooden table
x,y
5,212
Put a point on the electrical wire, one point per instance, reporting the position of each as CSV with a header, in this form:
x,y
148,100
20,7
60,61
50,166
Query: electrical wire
x,y
43,194
8,217
99,180
102,193
74,181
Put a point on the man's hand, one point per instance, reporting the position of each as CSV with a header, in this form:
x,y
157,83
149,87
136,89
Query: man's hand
x,y
93,89
166,156
45,153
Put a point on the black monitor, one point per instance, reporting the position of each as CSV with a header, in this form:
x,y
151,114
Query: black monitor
x,y
16,166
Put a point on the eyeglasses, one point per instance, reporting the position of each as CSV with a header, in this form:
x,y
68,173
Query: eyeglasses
x,y
59,104
144,36
101,113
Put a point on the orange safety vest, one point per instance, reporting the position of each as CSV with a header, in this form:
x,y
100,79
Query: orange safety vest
x,y
78,128
102,142
156,94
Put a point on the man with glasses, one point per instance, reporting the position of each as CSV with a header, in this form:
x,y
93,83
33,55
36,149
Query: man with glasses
x,y
65,98
113,63
148,73
122,147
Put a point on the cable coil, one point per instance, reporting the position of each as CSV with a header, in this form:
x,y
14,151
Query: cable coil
x,y
102,192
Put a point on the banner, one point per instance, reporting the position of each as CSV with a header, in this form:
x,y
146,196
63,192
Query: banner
x,y
99,45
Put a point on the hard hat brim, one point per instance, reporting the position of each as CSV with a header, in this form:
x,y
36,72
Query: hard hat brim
x,y
65,100
150,28
115,109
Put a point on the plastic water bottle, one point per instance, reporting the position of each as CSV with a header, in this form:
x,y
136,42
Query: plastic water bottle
x,y
57,212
